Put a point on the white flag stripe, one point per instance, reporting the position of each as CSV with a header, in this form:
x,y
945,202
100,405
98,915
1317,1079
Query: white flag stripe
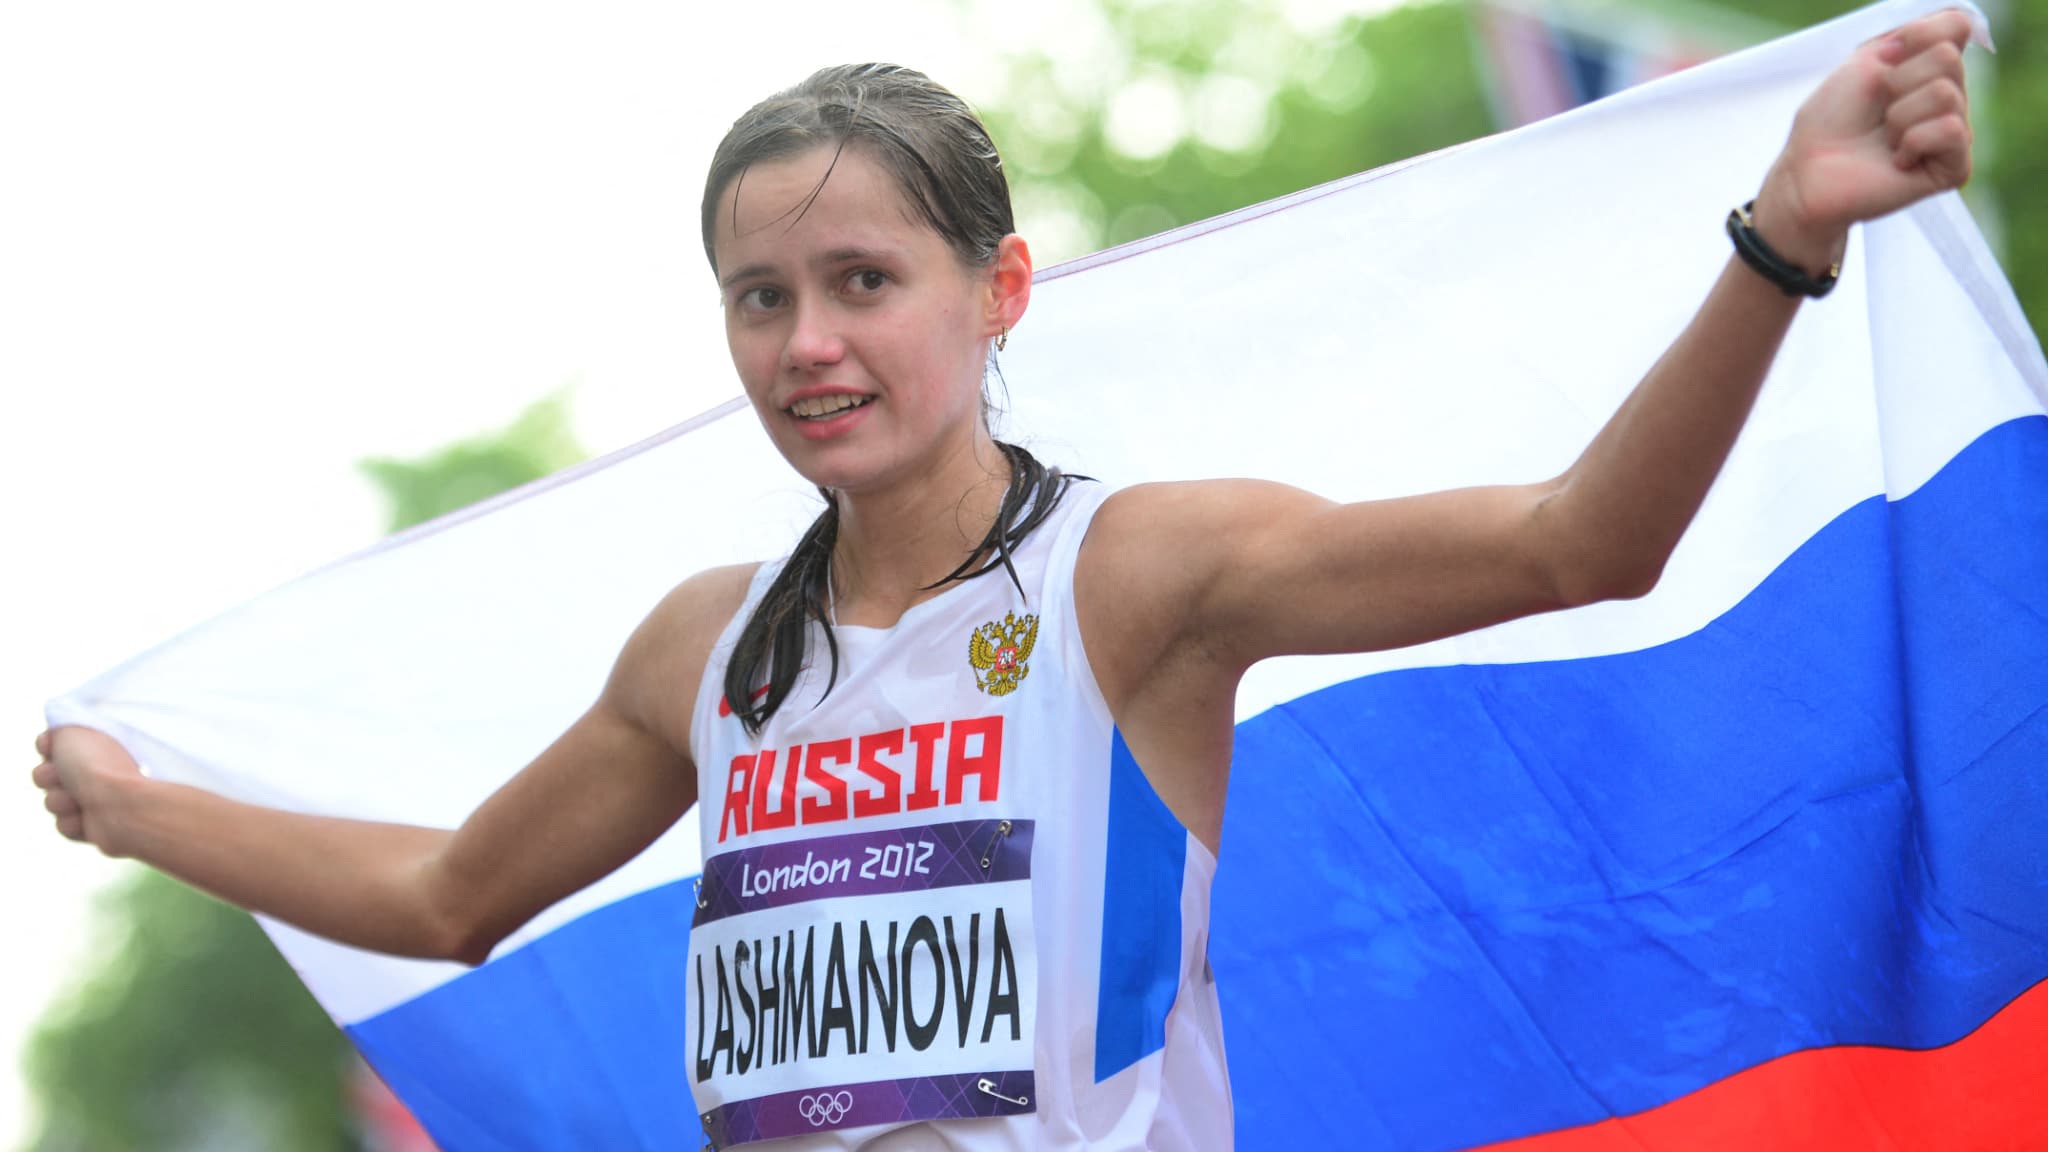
x,y
1468,319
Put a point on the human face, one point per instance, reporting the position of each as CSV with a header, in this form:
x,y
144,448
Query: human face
x,y
858,333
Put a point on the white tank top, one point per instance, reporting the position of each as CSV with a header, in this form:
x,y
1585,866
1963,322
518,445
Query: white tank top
x,y
942,907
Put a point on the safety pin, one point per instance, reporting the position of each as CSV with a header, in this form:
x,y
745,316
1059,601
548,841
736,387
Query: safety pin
x,y
988,854
989,1086
697,890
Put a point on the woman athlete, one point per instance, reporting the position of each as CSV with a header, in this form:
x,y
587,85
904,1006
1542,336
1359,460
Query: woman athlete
x,y
919,912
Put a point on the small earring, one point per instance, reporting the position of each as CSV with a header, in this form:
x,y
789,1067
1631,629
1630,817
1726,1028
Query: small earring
x,y
1003,338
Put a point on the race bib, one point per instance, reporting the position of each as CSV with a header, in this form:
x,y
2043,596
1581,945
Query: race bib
x,y
873,978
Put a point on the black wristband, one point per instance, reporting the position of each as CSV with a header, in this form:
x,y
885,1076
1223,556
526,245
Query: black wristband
x,y
1792,280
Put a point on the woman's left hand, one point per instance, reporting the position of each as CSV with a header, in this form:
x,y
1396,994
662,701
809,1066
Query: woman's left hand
x,y
1888,128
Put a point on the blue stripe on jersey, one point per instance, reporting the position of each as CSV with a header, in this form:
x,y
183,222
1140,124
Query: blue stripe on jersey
x,y
1147,856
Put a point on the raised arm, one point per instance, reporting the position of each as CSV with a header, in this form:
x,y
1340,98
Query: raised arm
x,y
603,791
1262,570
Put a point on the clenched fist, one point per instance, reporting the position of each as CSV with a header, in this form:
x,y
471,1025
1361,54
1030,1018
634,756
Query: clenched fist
x,y
1888,128
80,768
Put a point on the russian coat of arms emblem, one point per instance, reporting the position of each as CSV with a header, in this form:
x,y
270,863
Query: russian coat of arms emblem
x,y
997,651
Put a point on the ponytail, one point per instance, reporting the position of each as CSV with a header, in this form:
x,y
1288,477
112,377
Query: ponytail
x,y
775,637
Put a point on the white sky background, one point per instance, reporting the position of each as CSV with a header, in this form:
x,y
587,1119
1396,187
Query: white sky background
x,y
243,245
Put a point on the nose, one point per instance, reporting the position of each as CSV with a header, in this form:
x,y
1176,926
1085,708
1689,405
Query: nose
x,y
814,339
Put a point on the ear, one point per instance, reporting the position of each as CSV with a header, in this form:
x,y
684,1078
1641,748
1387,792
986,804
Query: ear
x,y
1009,284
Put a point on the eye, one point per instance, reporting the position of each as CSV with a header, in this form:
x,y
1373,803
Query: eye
x,y
866,282
761,299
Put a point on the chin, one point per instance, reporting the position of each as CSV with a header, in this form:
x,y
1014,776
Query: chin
x,y
834,468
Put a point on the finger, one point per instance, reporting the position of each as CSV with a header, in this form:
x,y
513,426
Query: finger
x,y
71,827
1942,61
1952,26
1940,146
1930,101
45,775
60,803
43,743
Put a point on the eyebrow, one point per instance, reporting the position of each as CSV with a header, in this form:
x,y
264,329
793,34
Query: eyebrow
x,y
848,255
739,274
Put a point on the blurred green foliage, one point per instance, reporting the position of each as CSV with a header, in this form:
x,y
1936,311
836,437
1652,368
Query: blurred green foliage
x,y
192,1034
1267,109
537,443
2019,168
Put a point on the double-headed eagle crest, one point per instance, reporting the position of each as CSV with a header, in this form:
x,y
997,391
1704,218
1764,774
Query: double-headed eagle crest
x,y
997,651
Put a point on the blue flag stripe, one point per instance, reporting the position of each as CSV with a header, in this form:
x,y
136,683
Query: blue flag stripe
x,y
1523,897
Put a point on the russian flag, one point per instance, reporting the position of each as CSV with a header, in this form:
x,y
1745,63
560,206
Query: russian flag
x,y
1759,860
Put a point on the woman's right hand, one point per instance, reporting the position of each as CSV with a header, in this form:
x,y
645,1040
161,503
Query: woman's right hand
x,y
79,768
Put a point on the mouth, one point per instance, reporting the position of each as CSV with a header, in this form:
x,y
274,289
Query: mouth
x,y
818,408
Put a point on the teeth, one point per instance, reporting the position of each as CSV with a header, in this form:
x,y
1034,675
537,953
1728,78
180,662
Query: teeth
x,y
818,407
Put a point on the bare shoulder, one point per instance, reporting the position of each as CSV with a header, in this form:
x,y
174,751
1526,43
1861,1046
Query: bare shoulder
x,y
1153,560
1154,555
695,610
658,674
1171,539
1181,508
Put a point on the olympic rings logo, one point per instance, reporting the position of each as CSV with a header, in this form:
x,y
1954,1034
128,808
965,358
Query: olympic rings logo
x,y
825,1108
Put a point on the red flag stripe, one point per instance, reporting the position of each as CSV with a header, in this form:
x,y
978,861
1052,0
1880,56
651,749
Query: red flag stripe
x,y
1985,1091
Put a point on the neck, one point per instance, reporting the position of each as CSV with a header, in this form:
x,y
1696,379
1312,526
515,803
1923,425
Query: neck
x,y
894,543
